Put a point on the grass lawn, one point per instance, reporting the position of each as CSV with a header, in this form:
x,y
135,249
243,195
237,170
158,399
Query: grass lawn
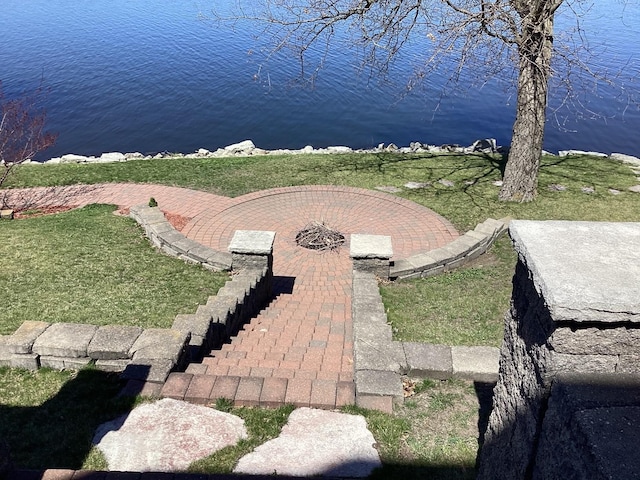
x,y
435,433
90,266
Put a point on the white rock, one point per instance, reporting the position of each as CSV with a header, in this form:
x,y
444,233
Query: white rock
x,y
316,442
54,160
564,153
613,191
635,188
203,152
339,149
166,436
133,156
621,157
416,185
245,146
498,183
307,149
112,157
71,158
588,190
446,183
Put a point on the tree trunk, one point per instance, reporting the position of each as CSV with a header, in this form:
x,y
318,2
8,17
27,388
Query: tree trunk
x,y
520,179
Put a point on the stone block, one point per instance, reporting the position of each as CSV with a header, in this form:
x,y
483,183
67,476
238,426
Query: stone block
x,y
376,383
6,214
65,340
112,365
372,332
563,362
370,246
252,242
428,361
595,341
113,342
28,361
591,273
64,363
218,261
480,364
432,271
628,364
383,356
377,266
159,343
454,250
156,370
367,307
21,341
366,287
401,268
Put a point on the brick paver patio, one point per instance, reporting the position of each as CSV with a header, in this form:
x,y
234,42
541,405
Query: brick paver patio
x,y
299,349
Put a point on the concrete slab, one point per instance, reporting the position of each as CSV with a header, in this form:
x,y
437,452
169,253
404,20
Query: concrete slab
x,y
373,382
21,341
65,340
428,361
316,442
370,246
476,363
159,343
579,276
166,436
254,242
113,342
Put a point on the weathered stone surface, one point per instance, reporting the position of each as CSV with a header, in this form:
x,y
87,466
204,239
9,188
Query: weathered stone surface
x,y
112,342
428,361
595,341
159,343
621,157
28,361
65,340
257,242
476,363
373,382
580,276
112,365
316,442
370,246
380,355
64,363
21,341
166,436
244,147
154,370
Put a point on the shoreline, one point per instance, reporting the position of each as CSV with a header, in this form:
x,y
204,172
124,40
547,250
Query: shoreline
x,y
247,148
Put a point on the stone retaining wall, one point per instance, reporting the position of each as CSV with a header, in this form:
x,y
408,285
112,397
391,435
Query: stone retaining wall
x,y
567,401
151,354
462,250
380,362
162,234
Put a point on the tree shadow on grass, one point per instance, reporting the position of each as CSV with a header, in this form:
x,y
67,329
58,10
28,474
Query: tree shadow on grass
x,y
58,433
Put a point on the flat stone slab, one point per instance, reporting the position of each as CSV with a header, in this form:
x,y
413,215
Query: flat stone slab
x,y
476,363
65,340
579,267
166,436
430,361
113,342
316,442
379,383
159,343
21,341
256,242
370,246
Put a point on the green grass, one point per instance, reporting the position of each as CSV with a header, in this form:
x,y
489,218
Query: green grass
x,y
465,205
48,418
261,424
435,433
90,266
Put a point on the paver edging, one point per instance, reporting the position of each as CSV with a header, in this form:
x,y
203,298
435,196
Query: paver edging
x,y
147,355
459,252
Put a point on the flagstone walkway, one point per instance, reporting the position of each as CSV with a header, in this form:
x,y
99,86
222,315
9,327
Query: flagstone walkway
x,y
299,350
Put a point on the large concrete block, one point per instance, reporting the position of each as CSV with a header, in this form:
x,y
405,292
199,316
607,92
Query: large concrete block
x,y
428,361
113,342
21,341
65,340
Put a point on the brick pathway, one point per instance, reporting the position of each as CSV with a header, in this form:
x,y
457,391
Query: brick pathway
x,y
299,350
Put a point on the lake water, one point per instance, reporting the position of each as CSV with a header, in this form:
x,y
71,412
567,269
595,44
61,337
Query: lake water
x,y
153,75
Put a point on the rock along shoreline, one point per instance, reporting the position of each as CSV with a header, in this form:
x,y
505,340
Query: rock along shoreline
x,y
248,148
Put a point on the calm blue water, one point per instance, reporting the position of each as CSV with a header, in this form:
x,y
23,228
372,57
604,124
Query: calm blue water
x,y
153,75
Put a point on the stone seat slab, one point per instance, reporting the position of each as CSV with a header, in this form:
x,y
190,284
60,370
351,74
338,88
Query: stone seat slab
x,y
21,341
113,342
65,340
159,343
